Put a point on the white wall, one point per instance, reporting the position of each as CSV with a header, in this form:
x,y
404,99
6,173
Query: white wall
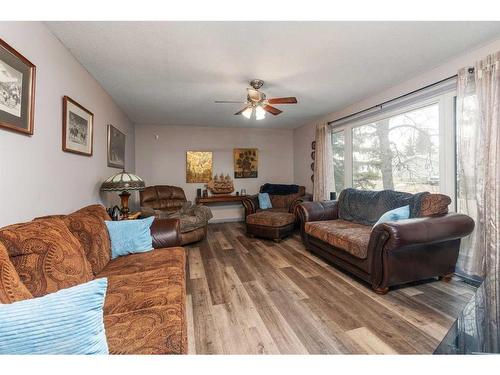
x,y
304,135
163,160
36,176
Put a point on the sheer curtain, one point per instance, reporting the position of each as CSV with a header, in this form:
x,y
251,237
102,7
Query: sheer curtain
x,y
478,163
324,181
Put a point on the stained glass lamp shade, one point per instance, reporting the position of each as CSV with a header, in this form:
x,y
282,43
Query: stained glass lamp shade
x,y
123,182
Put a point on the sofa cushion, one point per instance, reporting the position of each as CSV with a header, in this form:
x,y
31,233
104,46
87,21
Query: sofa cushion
x,y
11,287
96,210
348,236
366,207
141,262
145,306
269,218
434,205
46,255
91,232
157,287
284,201
154,330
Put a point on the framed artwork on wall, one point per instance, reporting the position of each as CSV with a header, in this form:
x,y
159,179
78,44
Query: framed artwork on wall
x,y
78,128
246,162
116,148
17,90
198,166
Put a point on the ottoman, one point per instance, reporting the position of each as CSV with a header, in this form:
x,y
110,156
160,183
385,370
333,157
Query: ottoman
x,y
274,225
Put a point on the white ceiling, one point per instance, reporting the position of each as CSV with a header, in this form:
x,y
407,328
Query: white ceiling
x,y
171,72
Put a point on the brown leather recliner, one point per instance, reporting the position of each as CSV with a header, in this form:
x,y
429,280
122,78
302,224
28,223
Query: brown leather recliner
x,y
279,221
165,201
390,253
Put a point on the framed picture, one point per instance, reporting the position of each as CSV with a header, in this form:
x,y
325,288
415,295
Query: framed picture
x,y
246,162
198,166
116,148
78,128
17,90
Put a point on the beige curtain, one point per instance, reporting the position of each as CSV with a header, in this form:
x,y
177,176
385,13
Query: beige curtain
x,y
324,181
478,162
478,146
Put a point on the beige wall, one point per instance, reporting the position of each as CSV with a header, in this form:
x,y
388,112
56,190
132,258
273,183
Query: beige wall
x,y
36,177
163,160
304,135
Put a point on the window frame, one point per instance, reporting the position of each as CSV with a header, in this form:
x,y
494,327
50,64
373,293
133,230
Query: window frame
x,y
447,138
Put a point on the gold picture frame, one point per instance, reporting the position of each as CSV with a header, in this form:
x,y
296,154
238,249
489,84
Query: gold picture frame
x,y
198,166
246,162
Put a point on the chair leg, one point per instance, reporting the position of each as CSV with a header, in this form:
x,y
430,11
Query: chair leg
x,y
446,278
381,291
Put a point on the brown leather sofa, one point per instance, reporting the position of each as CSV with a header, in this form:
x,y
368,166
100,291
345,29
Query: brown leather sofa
x,y
391,253
164,201
144,309
279,221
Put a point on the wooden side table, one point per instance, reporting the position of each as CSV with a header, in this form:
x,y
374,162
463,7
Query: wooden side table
x,y
220,198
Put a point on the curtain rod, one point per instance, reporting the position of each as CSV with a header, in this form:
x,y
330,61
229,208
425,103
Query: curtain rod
x,y
397,98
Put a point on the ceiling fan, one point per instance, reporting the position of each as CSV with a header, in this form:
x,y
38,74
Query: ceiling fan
x,y
258,103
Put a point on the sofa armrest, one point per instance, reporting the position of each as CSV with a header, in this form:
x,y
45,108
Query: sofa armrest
x,y
305,198
316,211
251,204
424,230
166,233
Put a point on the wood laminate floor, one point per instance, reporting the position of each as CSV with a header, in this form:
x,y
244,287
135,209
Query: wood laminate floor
x,y
254,296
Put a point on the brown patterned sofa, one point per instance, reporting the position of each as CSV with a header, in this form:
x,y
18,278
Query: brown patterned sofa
x,y
164,201
279,221
144,310
391,253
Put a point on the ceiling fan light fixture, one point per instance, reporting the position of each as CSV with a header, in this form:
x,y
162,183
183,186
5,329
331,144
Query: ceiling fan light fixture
x,y
260,113
247,112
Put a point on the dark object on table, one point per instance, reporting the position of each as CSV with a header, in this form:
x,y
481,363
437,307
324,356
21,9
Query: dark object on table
x,y
279,221
238,193
333,195
205,193
198,193
391,253
165,201
114,213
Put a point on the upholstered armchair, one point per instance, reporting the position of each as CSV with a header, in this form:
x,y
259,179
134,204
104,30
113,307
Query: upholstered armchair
x,y
279,221
391,253
165,201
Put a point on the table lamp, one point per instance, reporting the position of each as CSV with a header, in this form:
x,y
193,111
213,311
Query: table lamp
x,y
123,182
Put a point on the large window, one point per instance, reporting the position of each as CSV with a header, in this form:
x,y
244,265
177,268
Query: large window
x,y
408,148
398,153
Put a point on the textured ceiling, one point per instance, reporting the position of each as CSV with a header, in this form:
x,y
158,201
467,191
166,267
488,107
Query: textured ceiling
x,y
171,72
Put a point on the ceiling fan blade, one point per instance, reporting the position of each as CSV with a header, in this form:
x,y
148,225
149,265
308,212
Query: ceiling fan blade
x,y
288,100
253,95
272,110
229,101
240,112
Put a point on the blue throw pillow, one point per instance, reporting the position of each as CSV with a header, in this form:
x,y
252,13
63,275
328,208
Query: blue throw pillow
x,y
399,213
264,201
130,236
69,321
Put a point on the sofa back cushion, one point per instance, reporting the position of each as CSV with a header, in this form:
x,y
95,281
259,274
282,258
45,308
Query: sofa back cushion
x,y
434,205
88,226
163,197
282,196
46,256
366,207
11,287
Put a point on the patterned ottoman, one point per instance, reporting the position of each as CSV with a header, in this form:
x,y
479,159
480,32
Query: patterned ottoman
x,y
273,224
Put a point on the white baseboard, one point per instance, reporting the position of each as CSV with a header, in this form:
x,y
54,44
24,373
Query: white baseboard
x,y
226,220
